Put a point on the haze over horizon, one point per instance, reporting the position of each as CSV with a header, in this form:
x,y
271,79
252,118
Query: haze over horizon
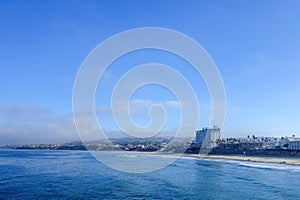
x,y
255,45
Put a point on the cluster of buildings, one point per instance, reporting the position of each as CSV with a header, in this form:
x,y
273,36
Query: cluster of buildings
x,y
209,138
161,144
294,144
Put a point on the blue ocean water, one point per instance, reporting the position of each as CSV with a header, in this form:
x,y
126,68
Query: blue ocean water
x,y
37,174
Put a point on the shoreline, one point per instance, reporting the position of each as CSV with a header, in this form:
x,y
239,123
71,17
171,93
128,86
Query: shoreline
x,y
261,159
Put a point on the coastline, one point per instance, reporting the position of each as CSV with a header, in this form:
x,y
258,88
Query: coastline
x,y
261,159
277,160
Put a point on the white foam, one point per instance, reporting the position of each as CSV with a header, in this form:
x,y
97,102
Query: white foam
x,y
294,168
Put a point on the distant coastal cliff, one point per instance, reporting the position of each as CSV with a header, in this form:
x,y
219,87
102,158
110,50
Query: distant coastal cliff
x,y
163,146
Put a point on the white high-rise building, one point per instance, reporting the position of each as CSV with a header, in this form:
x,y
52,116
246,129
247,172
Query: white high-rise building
x,y
207,137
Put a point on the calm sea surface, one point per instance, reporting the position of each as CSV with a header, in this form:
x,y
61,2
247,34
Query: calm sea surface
x,y
39,174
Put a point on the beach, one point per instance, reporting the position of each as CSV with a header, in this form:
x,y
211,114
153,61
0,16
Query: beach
x,y
279,160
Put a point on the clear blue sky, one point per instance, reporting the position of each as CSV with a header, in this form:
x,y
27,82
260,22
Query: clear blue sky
x,y
255,44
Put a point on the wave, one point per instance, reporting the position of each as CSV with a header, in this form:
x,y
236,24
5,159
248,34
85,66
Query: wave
x,y
261,165
273,166
128,155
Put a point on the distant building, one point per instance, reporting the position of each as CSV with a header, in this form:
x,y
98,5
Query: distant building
x,y
207,137
241,146
294,145
286,141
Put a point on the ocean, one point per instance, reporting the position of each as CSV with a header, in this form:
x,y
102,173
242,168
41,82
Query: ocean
x,y
39,174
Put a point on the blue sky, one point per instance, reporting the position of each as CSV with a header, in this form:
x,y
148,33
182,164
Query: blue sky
x,y
255,44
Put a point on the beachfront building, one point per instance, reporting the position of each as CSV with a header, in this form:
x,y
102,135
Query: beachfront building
x,y
207,137
294,145
285,141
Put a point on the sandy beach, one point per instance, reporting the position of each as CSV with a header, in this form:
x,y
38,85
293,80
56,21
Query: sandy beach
x,y
279,160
